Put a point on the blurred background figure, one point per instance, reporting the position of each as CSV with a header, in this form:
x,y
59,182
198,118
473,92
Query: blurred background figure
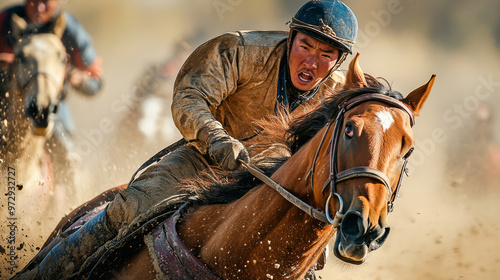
x,y
146,124
84,72
473,156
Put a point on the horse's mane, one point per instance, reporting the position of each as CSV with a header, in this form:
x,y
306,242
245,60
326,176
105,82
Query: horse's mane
x,y
305,127
216,186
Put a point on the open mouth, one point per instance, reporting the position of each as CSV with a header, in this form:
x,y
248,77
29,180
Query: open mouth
x,y
42,130
305,77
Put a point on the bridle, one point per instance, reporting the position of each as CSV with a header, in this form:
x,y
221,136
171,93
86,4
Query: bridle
x,y
359,171
335,176
35,75
47,112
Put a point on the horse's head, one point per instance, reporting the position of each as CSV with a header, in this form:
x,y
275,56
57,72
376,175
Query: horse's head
x,y
371,140
37,74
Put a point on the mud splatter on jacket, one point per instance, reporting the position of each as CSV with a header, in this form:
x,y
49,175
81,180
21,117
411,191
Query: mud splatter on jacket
x,y
231,81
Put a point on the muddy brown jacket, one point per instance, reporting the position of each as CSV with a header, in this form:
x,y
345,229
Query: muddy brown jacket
x,y
231,81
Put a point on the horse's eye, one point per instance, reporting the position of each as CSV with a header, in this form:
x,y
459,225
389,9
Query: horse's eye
x,y
408,154
349,132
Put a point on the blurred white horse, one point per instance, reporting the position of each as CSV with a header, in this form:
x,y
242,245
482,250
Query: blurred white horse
x,y
36,80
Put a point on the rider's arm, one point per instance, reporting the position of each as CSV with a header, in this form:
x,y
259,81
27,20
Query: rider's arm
x,y
86,76
84,81
207,77
6,49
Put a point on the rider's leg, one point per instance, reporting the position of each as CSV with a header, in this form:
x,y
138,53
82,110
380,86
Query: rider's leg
x,y
151,187
62,147
156,183
66,161
65,258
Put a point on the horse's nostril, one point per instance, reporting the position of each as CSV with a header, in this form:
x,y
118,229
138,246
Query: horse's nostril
x,y
352,225
375,244
32,110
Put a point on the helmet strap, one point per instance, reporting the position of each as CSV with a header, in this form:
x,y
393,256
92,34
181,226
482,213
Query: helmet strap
x,y
340,60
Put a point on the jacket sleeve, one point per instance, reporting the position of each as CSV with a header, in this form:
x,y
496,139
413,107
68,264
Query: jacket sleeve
x,y
78,43
208,76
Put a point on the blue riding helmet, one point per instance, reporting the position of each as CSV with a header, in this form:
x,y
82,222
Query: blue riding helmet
x,y
329,21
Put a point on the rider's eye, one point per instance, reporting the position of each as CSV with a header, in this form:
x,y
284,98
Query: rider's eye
x,y
349,131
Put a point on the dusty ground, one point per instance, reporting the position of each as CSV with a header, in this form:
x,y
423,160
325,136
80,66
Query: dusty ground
x,y
440,229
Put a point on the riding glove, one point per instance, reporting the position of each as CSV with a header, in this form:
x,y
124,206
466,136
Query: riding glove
x,y
224,149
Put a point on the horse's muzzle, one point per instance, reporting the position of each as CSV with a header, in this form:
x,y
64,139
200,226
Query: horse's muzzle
x,y
355,239
41,121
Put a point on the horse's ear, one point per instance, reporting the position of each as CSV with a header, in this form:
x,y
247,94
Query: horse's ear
x,y
355,78
416,98
18,26
60,25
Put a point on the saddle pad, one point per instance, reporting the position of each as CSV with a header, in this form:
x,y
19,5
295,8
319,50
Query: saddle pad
x,y
171,256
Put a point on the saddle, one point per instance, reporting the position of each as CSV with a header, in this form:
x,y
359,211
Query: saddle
x,y
129,239
172,259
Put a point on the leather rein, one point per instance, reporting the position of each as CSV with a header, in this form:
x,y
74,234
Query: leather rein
x,y
335,176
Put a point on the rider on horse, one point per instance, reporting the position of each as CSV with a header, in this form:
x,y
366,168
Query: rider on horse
x,y
84,69
223,87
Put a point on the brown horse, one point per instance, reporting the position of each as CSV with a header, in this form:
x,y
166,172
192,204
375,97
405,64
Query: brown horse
x,y
348,154
37,76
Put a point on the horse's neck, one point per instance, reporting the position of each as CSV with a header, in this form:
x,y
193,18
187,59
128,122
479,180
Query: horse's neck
x,y
262,233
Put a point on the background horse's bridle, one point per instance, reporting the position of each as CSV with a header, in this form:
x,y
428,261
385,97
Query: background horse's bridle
x,y
35,75
335,176
47,112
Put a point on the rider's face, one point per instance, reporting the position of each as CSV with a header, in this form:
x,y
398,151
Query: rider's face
x,y
310,61
40,11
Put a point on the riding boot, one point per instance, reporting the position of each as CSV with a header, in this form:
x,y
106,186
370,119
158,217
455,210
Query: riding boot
x,y
67,256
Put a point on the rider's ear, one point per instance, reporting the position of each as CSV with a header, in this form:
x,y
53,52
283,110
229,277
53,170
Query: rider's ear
x,y
355,78
18,26
416,98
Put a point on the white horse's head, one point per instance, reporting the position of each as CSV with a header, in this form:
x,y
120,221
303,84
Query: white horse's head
x,y
37,75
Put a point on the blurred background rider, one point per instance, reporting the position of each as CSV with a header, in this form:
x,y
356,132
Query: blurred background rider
x,y
84,70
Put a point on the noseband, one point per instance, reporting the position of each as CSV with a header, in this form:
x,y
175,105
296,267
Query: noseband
x,y
35,75
49,77
335,176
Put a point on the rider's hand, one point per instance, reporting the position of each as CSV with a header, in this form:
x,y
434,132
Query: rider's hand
x,y
95,69
76,77
225,150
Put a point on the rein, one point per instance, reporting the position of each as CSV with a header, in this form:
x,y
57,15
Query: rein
x,y
286,194
335,176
